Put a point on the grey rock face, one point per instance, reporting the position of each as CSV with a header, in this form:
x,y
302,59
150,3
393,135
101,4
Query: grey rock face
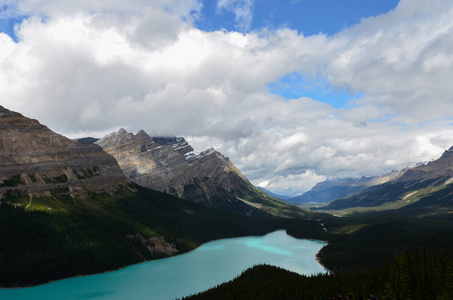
x,y
34,159
168,164
159,165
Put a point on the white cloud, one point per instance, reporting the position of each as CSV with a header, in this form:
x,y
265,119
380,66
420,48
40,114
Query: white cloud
x,y
293,184
263,183
93,67
6,45
400,60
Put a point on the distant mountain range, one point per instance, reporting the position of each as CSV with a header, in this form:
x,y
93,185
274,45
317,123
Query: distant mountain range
x,y
337,188
330,189
422,190
281,197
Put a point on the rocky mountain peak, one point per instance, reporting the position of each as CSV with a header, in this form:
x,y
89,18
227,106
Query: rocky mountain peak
x,y
121,131
141,134
168,164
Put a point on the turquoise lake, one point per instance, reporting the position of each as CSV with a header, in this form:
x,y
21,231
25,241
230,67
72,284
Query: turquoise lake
x,y
210,264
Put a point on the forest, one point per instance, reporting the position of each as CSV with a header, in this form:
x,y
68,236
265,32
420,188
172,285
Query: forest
x,y
108,232
420,275
393,257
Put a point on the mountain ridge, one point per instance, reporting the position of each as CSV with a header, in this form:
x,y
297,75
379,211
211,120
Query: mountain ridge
x,y
403,191
169,165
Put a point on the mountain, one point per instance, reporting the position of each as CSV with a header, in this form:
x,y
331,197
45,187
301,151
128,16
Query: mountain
x,y
66,209
424,189
339,188
35,160
88,140
331,189
281,197
168,164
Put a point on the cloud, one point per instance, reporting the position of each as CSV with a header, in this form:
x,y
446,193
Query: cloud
x,y
401,61
294,184
89,68
242,9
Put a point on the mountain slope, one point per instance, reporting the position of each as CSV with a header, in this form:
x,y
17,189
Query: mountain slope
x,y
35,160
169,165
423,189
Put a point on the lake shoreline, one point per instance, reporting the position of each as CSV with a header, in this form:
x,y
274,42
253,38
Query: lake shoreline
x,y
179,254
144,261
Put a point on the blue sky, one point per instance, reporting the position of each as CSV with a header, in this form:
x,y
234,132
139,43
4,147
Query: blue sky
x,y
294,86
7,26
307,16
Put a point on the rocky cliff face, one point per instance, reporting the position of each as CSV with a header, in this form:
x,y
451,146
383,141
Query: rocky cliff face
x,y
35,160
159,163
169,165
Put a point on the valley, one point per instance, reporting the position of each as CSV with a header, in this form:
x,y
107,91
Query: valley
x,y
67,209
73,208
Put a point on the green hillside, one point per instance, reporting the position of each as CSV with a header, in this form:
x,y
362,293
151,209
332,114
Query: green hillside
x,y
58,237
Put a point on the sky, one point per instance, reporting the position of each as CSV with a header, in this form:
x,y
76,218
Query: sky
x,y
293,92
